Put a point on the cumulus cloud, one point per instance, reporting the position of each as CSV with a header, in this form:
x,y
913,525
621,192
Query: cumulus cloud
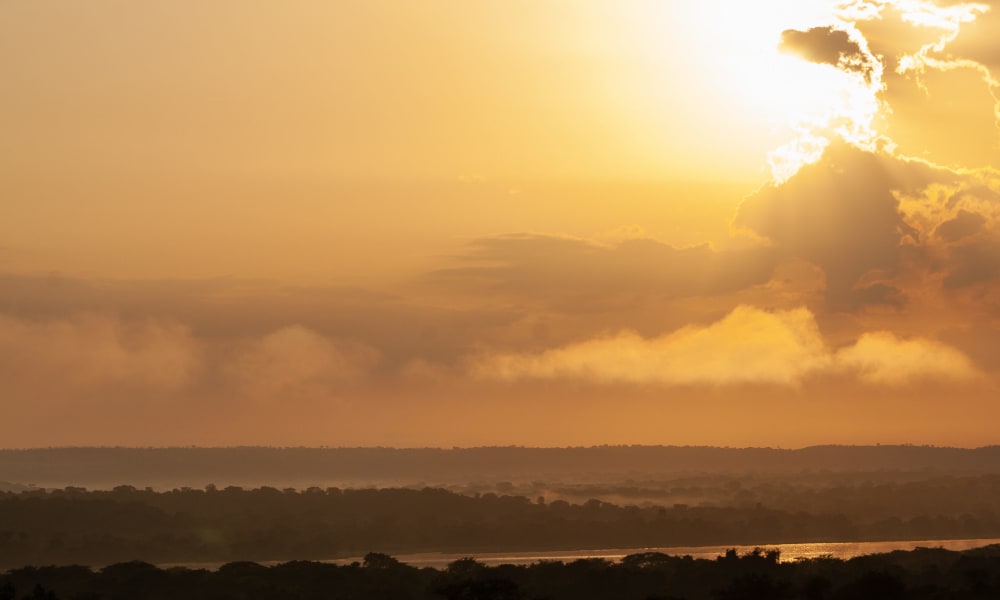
x,y
885,230
749,345
842,215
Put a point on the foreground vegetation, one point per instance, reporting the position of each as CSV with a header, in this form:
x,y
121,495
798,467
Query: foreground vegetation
x,y
75,526
929,574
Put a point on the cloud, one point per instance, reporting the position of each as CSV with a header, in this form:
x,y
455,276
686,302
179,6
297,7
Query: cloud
x,y
98,351
90,357
92,378
976,40
888,231
974,263
294,360
963,225
921,62
579,275
841,214
883,358
747,346
827,45
223,311
939,67
960,230
854,117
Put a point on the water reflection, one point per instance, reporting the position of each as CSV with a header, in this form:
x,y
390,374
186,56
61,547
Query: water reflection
x,y
789,552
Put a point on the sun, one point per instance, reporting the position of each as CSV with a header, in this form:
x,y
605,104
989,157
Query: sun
x,y
802,105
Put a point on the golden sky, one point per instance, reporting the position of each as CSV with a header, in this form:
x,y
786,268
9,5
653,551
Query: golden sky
x,y
541,222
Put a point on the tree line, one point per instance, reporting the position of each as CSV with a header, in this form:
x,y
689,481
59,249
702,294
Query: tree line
x,y
95,528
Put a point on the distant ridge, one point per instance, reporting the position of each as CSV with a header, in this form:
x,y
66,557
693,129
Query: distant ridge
x,y
297,467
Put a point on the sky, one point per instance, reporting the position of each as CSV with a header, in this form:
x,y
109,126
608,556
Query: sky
x,y
543,223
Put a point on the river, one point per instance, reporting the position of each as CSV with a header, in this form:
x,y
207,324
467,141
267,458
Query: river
x,y
789,552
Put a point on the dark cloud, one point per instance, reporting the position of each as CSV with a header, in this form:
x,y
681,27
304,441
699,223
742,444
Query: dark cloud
x,y
885,230
826,45
576,275
842,215
878,294
972,194
966,240
974,263
963,225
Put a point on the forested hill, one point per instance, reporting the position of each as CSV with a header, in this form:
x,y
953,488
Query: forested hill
x,y
299,467
72,526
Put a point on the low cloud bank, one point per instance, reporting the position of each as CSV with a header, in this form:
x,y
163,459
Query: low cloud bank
x,y
749,345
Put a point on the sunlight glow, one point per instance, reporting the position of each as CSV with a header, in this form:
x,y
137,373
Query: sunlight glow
x,y
850,112
804,104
